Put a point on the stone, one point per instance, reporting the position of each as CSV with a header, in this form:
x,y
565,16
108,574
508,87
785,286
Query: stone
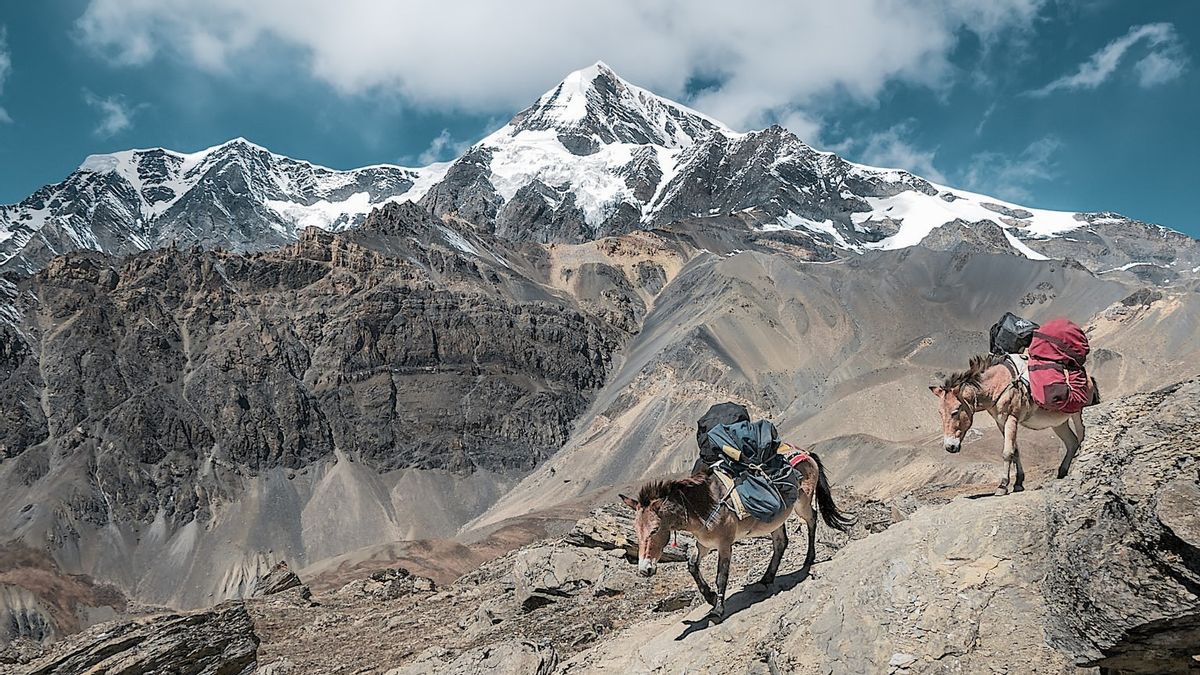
x,y
279,579
220,641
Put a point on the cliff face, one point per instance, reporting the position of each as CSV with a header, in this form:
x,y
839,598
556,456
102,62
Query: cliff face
x,y
399,369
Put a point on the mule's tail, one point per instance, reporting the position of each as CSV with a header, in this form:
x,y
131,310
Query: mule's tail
x,y
825,506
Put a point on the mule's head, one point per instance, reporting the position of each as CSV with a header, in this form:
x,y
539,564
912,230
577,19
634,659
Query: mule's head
x,y
652,523
957,416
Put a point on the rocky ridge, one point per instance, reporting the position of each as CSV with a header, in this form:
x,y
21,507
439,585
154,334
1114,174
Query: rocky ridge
x,y
594,156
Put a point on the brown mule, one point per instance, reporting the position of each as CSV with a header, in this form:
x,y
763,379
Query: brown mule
x,y
989,385
694,504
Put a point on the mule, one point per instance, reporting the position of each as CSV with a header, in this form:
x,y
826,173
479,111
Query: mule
x,y
696,504
989,384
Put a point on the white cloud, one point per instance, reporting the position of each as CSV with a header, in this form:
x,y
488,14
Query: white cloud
x,y
115,115
1164,62
892,149
442,148
983,119
5,70
486,56
804,125
1011,177
1159,68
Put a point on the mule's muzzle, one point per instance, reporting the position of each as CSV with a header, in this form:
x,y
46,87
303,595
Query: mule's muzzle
x,y
647,567
951,444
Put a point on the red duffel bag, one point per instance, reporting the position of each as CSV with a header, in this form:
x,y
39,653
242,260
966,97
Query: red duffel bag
x,y
1057,378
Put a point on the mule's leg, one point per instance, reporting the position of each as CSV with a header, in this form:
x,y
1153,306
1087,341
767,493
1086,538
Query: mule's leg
x,y
1008,427
1077,419
724,553
1070,445
694,558
1019,483
779,542
804,509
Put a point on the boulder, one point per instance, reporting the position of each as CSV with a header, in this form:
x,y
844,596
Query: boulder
x,y
1124,559
543,573
388,584
278,580
220,641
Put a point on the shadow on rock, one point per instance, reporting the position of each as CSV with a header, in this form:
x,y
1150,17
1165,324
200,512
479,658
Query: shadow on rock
x,y
747,597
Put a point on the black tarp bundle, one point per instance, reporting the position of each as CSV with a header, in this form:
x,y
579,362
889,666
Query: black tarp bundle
x,y
765,483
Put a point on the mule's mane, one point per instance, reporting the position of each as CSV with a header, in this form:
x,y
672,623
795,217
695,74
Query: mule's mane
x,y
691,493
971,376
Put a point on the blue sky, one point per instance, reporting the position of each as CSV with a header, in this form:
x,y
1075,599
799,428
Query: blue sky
x,y
1054,104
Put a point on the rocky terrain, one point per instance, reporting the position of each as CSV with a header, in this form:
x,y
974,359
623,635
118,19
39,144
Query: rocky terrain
x,y
1099,570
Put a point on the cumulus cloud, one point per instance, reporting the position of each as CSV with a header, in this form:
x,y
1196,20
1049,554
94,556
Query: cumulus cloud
x,y
1012,177
893,149
483,56
442,148
5,70
1164,62
115,114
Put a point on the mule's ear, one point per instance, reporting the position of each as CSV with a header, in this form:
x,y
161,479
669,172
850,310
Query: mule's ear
x,y
937,391
630,502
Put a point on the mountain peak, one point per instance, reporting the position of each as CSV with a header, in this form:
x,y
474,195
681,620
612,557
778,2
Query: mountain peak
x,y
595,106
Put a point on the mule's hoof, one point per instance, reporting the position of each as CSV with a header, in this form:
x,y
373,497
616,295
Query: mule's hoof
x,y
1062,473
1001,491
715,617
1018,488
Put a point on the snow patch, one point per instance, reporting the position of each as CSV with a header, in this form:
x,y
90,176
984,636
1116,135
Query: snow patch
x,y
323,214
458,241
792,221
521,158
1131,265
1020,246
920,213
100,163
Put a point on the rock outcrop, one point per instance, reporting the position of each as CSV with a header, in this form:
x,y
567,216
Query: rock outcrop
x,y
1123,577
281,578
220,641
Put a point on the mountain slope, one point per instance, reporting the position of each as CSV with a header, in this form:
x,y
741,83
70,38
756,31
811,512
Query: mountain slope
x,y
219,410
594,156
236,195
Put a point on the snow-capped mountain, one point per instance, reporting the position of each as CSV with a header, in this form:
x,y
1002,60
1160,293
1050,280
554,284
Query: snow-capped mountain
x,y
593,156
236,195
597,156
